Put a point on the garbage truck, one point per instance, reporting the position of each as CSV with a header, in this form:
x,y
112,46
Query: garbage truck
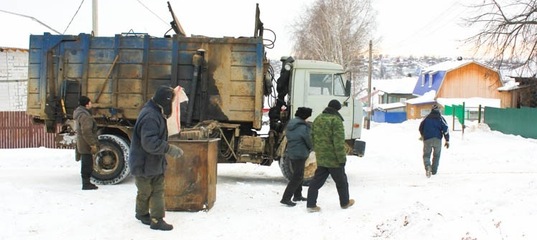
x,y
229,83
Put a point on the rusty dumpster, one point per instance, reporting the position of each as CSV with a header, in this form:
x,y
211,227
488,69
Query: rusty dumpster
x,y
191,179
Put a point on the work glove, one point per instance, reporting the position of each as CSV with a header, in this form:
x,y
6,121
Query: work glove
x,y
446,144
94,149
174,151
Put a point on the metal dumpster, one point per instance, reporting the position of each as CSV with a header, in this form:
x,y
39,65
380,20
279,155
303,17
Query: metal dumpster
x,y
191,179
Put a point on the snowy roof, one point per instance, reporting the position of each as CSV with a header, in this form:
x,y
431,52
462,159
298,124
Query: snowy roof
x,y
428,97
473,102
510,85
431,78
400,86
446,66
388,106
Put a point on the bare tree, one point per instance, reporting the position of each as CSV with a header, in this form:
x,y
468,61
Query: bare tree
x,y
336,31
508,31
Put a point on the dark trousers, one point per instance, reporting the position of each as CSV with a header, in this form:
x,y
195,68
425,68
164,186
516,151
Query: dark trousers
x,y
294,187
150,196
86,167
321,174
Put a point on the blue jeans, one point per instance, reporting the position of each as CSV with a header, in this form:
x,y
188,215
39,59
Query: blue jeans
x,y
434,146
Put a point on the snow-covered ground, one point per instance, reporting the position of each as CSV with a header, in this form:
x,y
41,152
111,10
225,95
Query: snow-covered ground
x,y
486,188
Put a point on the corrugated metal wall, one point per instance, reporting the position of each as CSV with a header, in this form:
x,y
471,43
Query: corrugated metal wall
x,y
18,131
516,121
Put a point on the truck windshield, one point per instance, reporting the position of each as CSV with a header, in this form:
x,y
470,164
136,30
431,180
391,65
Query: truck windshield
x,y
326,84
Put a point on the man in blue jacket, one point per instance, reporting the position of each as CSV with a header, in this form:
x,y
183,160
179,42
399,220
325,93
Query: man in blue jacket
x,y
149,145
432,128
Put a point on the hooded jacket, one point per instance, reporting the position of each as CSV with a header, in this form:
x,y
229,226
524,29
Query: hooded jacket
x,y
86,129
434,126
149,142
329,139
299,143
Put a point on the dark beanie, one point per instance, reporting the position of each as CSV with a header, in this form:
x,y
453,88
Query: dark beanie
x,y
83,101
164,97
303,112
335,104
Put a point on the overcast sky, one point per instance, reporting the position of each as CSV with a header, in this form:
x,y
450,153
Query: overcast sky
x,y
411,27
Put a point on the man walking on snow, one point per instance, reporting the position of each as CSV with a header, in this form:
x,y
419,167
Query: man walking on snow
x,y
329,145
432,128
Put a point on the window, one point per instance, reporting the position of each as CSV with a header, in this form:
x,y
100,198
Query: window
x,y
326,84
320,84
339,85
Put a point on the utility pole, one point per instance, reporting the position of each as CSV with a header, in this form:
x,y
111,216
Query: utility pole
x,y
370,72
95,18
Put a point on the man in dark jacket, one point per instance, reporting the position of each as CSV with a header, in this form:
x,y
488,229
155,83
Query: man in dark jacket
x,y
299,146
147,160
432,128
87,143
329,146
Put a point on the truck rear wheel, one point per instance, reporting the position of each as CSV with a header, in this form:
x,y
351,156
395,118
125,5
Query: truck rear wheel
x,y
110,163
309,168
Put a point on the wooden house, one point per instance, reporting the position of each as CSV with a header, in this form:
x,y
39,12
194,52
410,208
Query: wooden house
x,y
456,80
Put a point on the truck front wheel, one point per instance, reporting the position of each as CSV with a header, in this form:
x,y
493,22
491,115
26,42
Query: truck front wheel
x,y
110,164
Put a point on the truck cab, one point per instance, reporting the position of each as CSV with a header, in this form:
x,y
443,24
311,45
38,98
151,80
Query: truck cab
x,y
310,83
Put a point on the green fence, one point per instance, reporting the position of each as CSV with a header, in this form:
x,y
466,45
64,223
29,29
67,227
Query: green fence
x,y
516,121
455,110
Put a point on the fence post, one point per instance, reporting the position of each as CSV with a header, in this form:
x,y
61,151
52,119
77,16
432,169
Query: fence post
x,y
479,114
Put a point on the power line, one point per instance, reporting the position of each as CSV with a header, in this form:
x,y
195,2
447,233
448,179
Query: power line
x,y
30,17
73,17
147,8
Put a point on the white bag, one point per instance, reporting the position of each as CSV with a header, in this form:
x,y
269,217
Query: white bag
x,y
174,121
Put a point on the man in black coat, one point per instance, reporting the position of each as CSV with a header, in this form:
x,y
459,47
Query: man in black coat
x,y
147,160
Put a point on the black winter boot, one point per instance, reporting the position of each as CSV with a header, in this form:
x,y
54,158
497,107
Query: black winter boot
x,y
289,203
160,224
145,219
89,186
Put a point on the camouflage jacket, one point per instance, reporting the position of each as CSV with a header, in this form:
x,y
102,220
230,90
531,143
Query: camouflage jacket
x,y
328,136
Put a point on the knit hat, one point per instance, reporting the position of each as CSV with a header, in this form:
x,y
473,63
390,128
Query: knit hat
x,y
335,104
164,97
83,101
303,112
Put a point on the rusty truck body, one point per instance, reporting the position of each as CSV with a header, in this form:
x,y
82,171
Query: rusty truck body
x,y
228,82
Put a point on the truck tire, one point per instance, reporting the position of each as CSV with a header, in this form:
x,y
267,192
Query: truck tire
x,y
111,162
309,168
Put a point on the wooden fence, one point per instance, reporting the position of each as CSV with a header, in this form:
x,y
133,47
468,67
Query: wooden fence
x,y
18,131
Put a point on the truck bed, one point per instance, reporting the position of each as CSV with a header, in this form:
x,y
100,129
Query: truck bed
x,y
120,73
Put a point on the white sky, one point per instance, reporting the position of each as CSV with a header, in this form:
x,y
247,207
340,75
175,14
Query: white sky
x,y
412,27
485,189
